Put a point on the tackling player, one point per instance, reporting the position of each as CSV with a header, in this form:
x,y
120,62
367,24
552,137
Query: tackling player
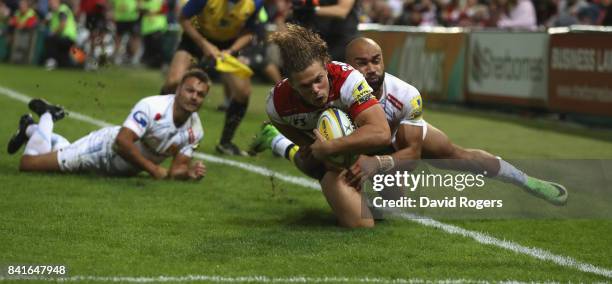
x,y
413,138
314,84
158,127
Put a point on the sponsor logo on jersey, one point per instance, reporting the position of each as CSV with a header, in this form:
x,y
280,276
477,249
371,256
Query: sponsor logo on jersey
x,y
140,118
362,92
417,107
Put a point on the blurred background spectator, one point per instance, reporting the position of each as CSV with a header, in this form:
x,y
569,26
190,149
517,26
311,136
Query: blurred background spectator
x,y
154,25
126,16
24,18
147,32
606,13
93,13
335,20
513,14
62,35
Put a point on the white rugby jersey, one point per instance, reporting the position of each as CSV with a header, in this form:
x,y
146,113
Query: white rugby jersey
x,y
348,92
151,119
402,103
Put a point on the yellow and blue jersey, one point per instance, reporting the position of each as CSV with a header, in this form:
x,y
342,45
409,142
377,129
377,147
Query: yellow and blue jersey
x,y
222,20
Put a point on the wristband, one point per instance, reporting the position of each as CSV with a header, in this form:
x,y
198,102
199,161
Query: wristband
x,y
385,163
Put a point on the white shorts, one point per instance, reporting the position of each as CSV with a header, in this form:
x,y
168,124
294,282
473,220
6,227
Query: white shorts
x,y
423,125
94,153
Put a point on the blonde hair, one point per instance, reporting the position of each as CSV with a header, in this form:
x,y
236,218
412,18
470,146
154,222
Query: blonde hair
x,y
299,48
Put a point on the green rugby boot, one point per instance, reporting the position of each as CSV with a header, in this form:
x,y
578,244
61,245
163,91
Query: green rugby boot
x,y
263,139
549,191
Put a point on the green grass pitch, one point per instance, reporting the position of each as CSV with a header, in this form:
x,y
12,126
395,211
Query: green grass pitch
x,y
235,223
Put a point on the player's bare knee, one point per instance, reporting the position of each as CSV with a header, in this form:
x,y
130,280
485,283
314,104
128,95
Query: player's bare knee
x,y
39,163
26,164
242,94
30,163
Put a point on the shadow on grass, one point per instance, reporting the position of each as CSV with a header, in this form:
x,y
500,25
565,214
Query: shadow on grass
x,y
311,218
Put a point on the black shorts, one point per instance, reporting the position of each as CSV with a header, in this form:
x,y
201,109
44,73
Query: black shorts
x,y
192,48
131,27
95,22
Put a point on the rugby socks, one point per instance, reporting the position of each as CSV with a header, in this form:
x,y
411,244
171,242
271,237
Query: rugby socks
x,y
233,116
40,140
31,129
510,173
57,141
284,147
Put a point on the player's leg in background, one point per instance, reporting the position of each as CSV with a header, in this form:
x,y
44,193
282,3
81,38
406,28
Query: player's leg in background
x,y
133,48
40,163
179,65
240,89
227,97
118,50
270,138
134,42
444,154
57,141
274,60
273,73
38,154
346,201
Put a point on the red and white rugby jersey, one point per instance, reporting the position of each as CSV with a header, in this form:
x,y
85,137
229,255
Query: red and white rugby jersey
x,y
348,92
402,103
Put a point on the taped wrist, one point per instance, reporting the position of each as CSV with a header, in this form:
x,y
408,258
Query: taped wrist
x,y
385,163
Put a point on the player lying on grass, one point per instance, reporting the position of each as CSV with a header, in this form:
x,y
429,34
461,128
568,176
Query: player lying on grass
x,y
413,138
157,128
314,84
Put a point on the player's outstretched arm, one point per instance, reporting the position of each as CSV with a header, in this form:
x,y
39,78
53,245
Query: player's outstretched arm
x,y
372,133
182,168
128,151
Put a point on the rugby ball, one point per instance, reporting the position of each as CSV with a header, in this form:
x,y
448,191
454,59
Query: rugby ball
x,y
332,124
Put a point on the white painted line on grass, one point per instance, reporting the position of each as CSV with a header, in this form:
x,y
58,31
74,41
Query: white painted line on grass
x,y
512,246
258,279
305,182
451,229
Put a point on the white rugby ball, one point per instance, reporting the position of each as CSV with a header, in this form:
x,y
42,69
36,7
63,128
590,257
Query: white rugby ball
x,y
332,124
